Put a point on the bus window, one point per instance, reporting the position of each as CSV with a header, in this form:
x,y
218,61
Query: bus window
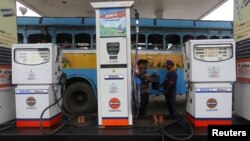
x,y
39,38
65,44
173,42
214,37
200,37
64,40
187,38
226,37
20,38
141,41
34,38
156,40
46,38
82,40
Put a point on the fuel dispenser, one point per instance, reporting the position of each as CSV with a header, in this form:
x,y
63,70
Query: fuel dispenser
x,y
36,70
113,62
209,71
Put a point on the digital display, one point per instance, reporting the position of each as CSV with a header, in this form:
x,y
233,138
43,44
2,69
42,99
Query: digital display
x,y
32,56
213,53
113,48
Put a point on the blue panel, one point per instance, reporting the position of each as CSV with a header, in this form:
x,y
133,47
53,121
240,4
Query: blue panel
x,y
89,21
174,23
214,24
181,85
62,21
143,22
27,20
90,74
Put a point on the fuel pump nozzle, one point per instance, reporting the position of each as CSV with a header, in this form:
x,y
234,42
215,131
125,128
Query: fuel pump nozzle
x,y
155,80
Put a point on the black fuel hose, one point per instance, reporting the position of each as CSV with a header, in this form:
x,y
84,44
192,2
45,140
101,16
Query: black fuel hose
x,y
181,121
136,91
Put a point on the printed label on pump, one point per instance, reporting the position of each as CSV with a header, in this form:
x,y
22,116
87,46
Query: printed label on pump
x,y
113,77
112,22
213,72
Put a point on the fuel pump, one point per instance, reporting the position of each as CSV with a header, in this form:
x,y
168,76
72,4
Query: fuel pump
x,y
209,72
113,62
36,71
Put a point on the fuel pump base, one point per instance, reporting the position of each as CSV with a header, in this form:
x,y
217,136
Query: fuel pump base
x,y
210,104
31,100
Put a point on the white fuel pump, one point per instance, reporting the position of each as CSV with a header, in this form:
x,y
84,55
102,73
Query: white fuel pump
x,y
113,62
36,70
210,71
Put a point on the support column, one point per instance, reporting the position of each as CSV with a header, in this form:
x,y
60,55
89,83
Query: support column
x,y
146,41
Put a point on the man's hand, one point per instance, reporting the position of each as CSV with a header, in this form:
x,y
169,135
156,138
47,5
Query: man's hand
x,y
166,92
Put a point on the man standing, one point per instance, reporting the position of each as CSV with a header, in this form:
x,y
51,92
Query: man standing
x,y
170,88
144,86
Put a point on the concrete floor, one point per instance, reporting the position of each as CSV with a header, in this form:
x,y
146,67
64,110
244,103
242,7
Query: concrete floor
x,y
157,104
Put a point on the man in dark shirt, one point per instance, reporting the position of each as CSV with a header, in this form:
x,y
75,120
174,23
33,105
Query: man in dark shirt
x,y
170,88
144,86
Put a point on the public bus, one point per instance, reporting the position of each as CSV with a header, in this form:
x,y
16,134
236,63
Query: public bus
x,y
159,40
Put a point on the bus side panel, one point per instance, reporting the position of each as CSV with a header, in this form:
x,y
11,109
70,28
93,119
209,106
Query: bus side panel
x,y
79,61
90,74
84,65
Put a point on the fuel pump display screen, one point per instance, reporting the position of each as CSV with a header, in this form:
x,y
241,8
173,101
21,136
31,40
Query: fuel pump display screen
x,y
32,56
113,49
213,53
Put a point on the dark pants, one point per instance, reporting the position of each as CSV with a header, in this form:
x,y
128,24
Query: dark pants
x,y
170,97
144,104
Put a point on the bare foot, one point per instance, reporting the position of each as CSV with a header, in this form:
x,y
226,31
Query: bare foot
x,y
161,119
155,117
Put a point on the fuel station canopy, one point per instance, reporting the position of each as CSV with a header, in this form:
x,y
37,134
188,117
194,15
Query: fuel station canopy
x,y
165,9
